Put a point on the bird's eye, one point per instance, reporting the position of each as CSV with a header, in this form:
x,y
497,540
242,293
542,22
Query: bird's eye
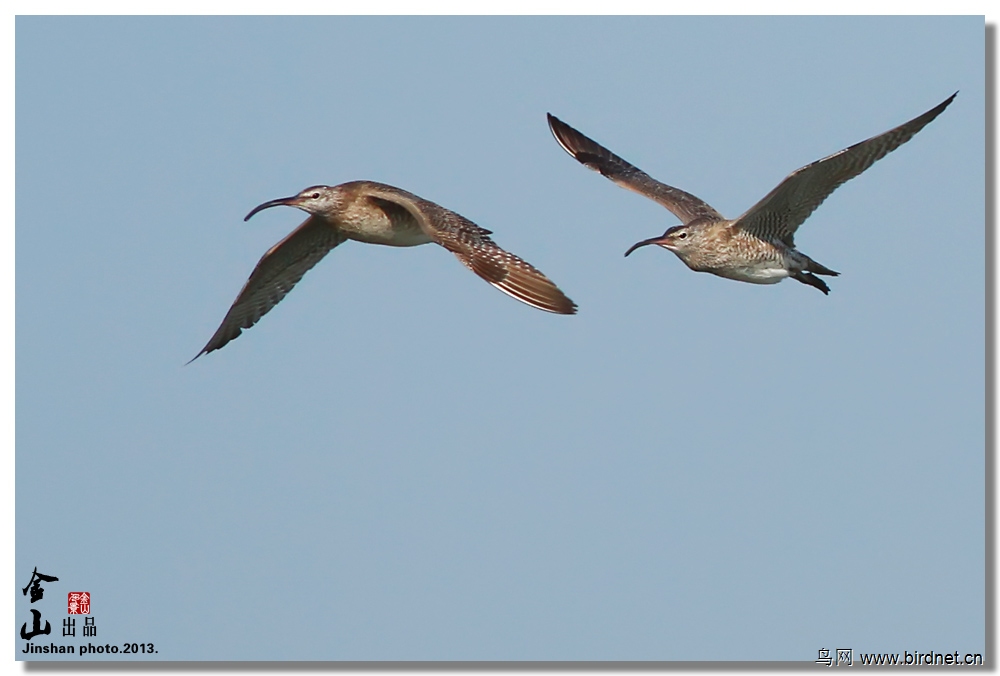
x,y
682,235
315,196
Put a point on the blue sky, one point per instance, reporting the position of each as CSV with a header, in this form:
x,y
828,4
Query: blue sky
x,y
401,463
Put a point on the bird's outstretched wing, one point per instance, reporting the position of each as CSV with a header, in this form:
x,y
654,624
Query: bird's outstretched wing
x,y
473,246
589,153
277,272
783,210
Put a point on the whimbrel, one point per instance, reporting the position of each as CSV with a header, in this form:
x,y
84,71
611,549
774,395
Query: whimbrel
x,y
759,246
376,213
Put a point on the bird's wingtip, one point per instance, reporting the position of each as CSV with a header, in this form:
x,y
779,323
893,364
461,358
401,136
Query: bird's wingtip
x,y
947,102
568,308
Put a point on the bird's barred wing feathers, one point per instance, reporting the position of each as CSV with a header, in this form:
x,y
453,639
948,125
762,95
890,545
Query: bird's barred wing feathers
x,y
593,155
474,248
779,214
277,272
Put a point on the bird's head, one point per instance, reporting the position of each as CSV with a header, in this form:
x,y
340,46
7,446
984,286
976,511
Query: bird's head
x,y
316,199
677,239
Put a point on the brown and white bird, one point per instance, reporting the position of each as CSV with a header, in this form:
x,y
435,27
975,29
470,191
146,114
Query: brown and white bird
x,y
376,213
759,246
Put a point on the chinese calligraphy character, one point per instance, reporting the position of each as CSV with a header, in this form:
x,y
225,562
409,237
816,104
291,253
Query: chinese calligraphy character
x,y
36,624
69,627
89,628
35,584
824,657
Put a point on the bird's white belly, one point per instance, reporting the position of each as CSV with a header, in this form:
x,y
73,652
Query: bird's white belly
x,y
392,237
383,230
764,272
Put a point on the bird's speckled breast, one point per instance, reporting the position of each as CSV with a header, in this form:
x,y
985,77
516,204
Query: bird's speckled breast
x,y
768,263
391,225
743,257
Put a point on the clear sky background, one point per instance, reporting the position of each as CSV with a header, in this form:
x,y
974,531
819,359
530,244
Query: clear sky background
x,y
400,462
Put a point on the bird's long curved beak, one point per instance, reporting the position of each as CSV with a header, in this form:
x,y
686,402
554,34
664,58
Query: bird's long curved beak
x,y
645,242
284,201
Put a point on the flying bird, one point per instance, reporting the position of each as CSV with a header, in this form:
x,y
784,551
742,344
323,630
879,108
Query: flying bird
x,y
376,213
759,246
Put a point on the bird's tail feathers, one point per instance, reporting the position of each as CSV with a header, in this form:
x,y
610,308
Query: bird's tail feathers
x,y
820,269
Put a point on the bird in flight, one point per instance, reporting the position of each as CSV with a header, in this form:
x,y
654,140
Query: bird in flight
x,y
376,213
759,246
